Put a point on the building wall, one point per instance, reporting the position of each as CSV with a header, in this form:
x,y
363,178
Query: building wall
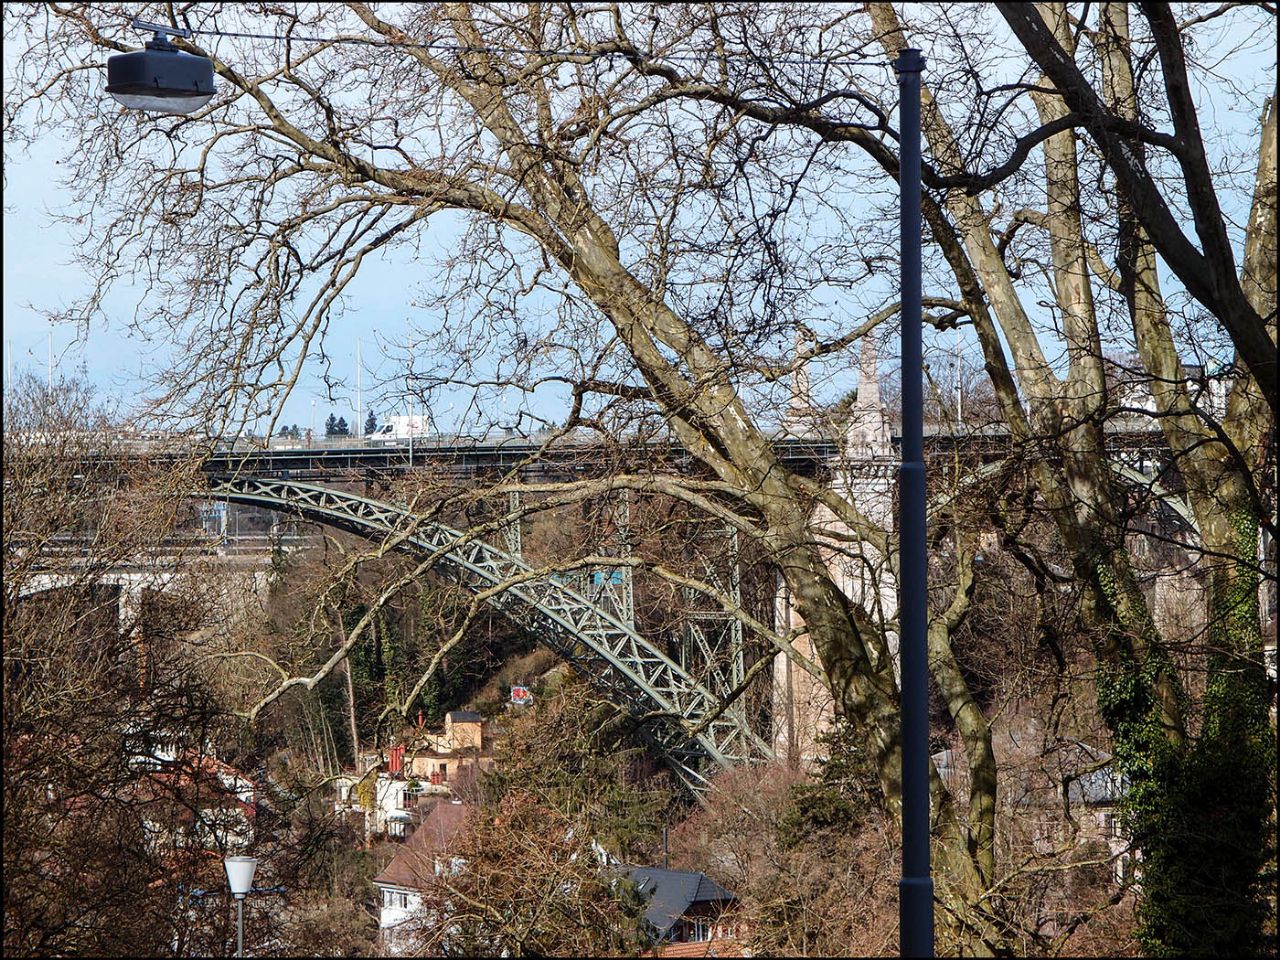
x,y
389,802
396,905
703,922
467,735
423,767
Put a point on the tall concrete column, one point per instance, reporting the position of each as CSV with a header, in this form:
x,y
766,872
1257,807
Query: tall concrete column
x,y
128,608
511,532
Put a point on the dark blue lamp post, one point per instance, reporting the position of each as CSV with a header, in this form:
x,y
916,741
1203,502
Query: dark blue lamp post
x,y
915,890
160,78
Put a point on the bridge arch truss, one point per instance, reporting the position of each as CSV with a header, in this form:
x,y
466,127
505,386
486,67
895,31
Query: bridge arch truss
x,y
680,715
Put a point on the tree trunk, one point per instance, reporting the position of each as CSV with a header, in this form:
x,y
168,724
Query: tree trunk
x,y
351,716
1200,816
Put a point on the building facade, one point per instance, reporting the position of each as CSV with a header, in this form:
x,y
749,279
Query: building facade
x,y
388,791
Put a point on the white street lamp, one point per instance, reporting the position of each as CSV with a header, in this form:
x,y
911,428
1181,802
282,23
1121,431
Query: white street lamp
x,y
240,872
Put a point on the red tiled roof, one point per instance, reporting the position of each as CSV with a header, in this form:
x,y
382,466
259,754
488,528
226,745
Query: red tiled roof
x,y
716,947
181,787
198,862
414,861
214,765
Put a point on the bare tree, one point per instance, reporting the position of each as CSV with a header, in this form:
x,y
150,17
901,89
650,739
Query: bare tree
x,y
652,205
84,696
1224,456
531,871
115,707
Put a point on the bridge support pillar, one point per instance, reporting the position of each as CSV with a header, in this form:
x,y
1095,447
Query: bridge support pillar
x,y
129,625
713,644
511,531
129,609
627,598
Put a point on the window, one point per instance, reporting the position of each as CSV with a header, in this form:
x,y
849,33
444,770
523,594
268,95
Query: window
x,y
404,901
699,929
395,828
406,800
387,897
444,772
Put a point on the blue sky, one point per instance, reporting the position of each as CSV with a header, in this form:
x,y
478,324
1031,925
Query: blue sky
x,y
38,278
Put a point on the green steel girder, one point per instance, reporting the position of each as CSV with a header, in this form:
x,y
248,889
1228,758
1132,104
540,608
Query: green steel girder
x,y
670,706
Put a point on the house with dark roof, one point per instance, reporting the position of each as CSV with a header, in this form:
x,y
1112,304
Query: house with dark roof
x,y
685,907
1095,793
1082,782
423,856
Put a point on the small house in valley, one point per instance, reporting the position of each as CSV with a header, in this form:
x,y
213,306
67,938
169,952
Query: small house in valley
x,y
391,791
424,855
685,907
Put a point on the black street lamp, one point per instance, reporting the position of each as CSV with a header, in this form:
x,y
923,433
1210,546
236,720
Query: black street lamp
x,y
160,78
915,890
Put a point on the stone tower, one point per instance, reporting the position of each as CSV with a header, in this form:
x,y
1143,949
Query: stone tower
x,y
798,420
863,475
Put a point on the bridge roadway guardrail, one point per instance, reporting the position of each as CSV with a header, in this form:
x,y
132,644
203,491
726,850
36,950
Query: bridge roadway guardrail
x,y
461,456
287,456
467,456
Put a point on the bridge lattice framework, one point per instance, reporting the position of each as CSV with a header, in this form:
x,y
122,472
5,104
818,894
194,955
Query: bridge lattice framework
x,y
688,721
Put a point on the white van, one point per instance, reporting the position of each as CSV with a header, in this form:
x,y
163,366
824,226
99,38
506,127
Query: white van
x,y
398,430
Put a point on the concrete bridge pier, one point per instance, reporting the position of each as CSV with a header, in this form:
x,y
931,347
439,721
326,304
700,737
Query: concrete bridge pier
x,y
864,474
128,609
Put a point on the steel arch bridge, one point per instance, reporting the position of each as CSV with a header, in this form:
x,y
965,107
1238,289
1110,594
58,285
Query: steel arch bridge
x,y
677,713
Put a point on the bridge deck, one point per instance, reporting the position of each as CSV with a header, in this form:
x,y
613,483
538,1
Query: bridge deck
x,y
464,457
